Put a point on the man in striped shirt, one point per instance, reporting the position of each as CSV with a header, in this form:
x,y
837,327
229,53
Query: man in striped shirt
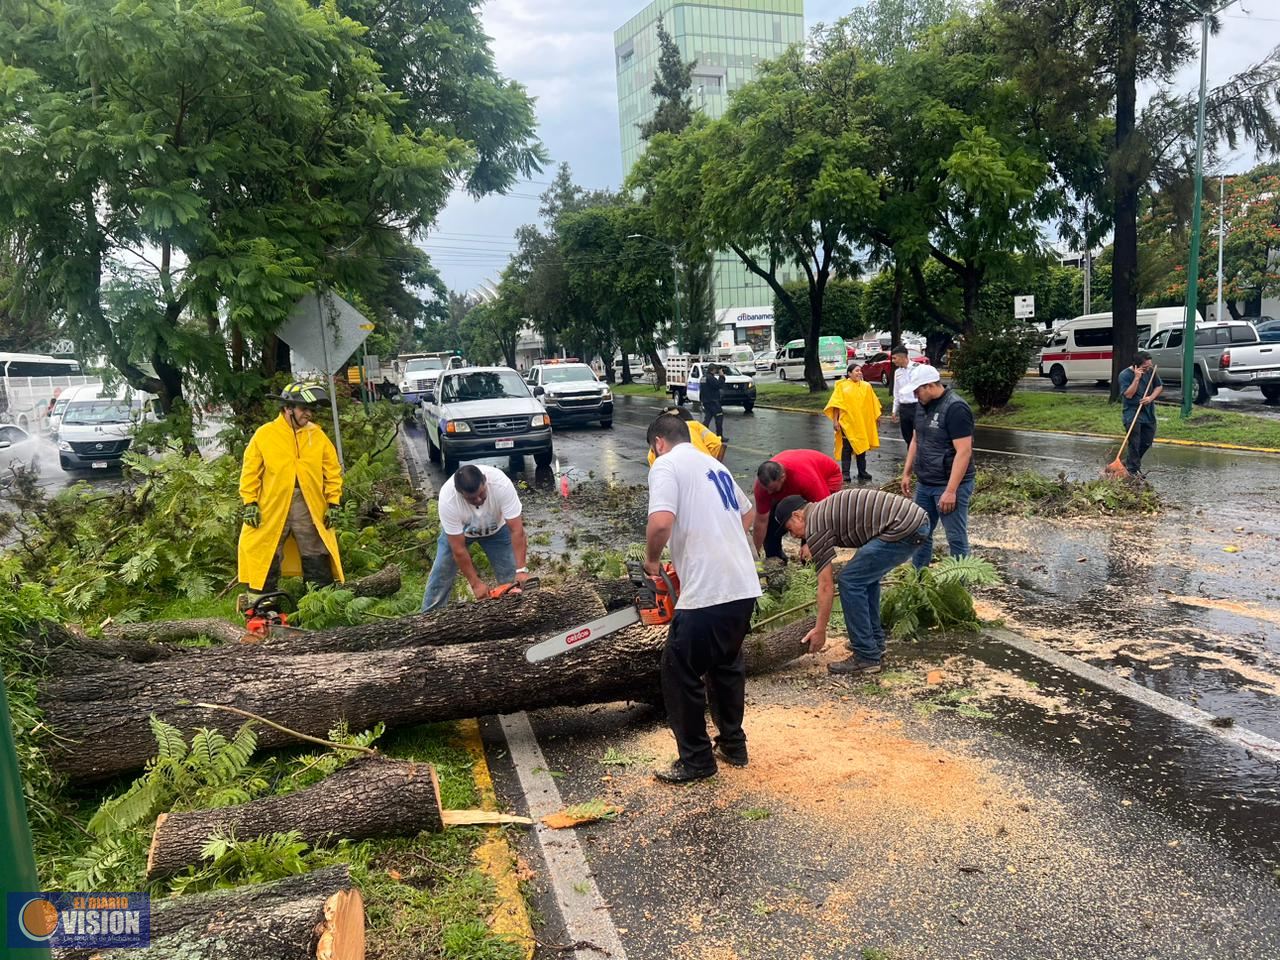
x,y
886,529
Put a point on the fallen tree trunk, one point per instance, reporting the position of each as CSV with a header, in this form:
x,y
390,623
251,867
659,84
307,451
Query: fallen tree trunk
x,y
315,916
384,583
102,727
167,631
369,797
518,615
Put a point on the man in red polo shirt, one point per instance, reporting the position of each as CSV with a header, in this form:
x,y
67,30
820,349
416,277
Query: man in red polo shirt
x,y
803,473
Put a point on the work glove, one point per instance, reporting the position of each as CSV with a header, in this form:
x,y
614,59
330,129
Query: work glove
x,y
251,515
330,516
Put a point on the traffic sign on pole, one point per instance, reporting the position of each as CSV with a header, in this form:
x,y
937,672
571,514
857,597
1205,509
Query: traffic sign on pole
x,y
1024,308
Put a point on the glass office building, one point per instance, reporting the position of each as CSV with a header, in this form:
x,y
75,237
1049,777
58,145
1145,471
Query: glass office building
x,y
728,40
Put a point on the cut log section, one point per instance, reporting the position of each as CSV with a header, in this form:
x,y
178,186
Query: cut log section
x,y
384,583
315,916
102,727
166,631
369,797
518,615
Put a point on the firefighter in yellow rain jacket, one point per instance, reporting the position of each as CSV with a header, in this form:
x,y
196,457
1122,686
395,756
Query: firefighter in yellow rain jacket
x,y
854,409
291,485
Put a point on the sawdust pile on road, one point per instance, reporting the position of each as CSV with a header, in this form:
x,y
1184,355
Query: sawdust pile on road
x,y
855,769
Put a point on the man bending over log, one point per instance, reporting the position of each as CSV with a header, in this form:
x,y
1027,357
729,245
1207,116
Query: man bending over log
x,y
696,507
478,504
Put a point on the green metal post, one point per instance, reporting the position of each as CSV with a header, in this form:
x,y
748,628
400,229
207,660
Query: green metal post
x,y
18,865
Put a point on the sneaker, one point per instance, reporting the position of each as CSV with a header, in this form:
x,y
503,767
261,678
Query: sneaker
x,y
864,478
734,758
861,668
847,479
680,772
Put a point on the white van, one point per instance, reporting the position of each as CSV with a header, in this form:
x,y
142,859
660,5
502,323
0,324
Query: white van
x,y
1081,349
97,427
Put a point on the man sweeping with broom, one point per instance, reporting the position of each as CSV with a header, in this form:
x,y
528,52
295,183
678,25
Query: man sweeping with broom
x,y
1140,386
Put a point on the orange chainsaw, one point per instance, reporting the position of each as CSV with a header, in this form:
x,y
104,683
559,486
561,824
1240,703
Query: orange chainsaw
x,y
655,605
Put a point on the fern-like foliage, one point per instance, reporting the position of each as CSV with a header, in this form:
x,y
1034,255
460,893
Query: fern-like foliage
x,y
936,597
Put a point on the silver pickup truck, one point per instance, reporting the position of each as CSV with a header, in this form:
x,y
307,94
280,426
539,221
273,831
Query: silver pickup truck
x,y
1227,354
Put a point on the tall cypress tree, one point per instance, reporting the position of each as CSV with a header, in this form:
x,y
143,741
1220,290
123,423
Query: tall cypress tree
x,y
672,86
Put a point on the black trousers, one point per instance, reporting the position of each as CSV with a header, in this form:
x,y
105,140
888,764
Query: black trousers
x,y
713,409
773,538
907,421
703,661
1144,435
846,458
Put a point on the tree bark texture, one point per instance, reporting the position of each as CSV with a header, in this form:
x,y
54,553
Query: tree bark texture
x,y
523,615
384,583
314,916
165,631
1126,182
101,720
369,797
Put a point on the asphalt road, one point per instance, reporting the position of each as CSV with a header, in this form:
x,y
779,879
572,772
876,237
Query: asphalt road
x,y
1098,826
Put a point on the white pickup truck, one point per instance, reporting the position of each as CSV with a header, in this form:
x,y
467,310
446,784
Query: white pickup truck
x,y
1227,354
684,382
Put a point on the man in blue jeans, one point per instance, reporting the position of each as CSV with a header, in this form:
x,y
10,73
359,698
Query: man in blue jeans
x,y
478,504
887,529
941,454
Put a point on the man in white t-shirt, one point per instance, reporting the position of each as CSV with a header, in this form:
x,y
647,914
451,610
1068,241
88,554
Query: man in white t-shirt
x,y
696,506
478,504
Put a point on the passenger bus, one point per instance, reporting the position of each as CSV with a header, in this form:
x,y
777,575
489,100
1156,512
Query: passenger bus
x,y
29,385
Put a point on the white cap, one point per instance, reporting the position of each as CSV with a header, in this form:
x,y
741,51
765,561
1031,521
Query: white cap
x,y
924,373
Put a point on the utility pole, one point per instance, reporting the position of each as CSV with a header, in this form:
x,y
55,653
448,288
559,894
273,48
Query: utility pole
x,y
1193,262
1088,262
1222,239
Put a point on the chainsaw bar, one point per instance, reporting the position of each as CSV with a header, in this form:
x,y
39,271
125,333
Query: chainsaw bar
x,y
581,635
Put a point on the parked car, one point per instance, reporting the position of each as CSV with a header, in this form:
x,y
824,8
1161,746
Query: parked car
x,y
1227,354
17,449
478,412
1268,329
571,392
879,369
864,350
764,360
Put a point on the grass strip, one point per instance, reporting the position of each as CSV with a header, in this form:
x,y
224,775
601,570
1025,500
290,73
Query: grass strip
x,y
1055,412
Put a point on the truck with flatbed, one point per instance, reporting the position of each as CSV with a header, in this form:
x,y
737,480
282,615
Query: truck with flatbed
x,y
684,381
1227,354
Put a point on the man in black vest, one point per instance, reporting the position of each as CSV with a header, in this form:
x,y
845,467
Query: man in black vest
x,y
709,397
941,453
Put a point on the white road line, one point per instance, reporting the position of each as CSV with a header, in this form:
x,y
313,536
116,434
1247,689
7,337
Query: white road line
x,y
1255,743
586,915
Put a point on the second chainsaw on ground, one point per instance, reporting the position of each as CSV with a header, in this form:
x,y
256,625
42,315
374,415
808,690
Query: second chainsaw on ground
x,y
655,605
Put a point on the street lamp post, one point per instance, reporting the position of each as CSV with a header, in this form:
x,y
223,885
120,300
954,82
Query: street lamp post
x,y
675,272
1193,264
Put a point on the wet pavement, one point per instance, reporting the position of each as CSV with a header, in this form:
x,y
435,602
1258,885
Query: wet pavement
x,y
1186,603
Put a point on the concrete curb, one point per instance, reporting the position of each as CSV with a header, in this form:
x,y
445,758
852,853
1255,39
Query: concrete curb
x,y
1070,433
495,857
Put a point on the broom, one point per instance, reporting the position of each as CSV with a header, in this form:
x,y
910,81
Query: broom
x,y
1115,469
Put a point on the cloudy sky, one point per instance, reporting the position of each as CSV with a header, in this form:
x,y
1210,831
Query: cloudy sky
x,y
562,50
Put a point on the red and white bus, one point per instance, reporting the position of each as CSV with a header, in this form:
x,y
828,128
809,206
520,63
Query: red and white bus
x,y
1081,349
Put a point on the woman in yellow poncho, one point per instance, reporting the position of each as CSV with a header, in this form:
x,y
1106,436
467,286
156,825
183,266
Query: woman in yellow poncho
x,y
854,409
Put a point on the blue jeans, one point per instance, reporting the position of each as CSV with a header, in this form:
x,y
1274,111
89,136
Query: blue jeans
x,y
496,546
955,523
860,591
